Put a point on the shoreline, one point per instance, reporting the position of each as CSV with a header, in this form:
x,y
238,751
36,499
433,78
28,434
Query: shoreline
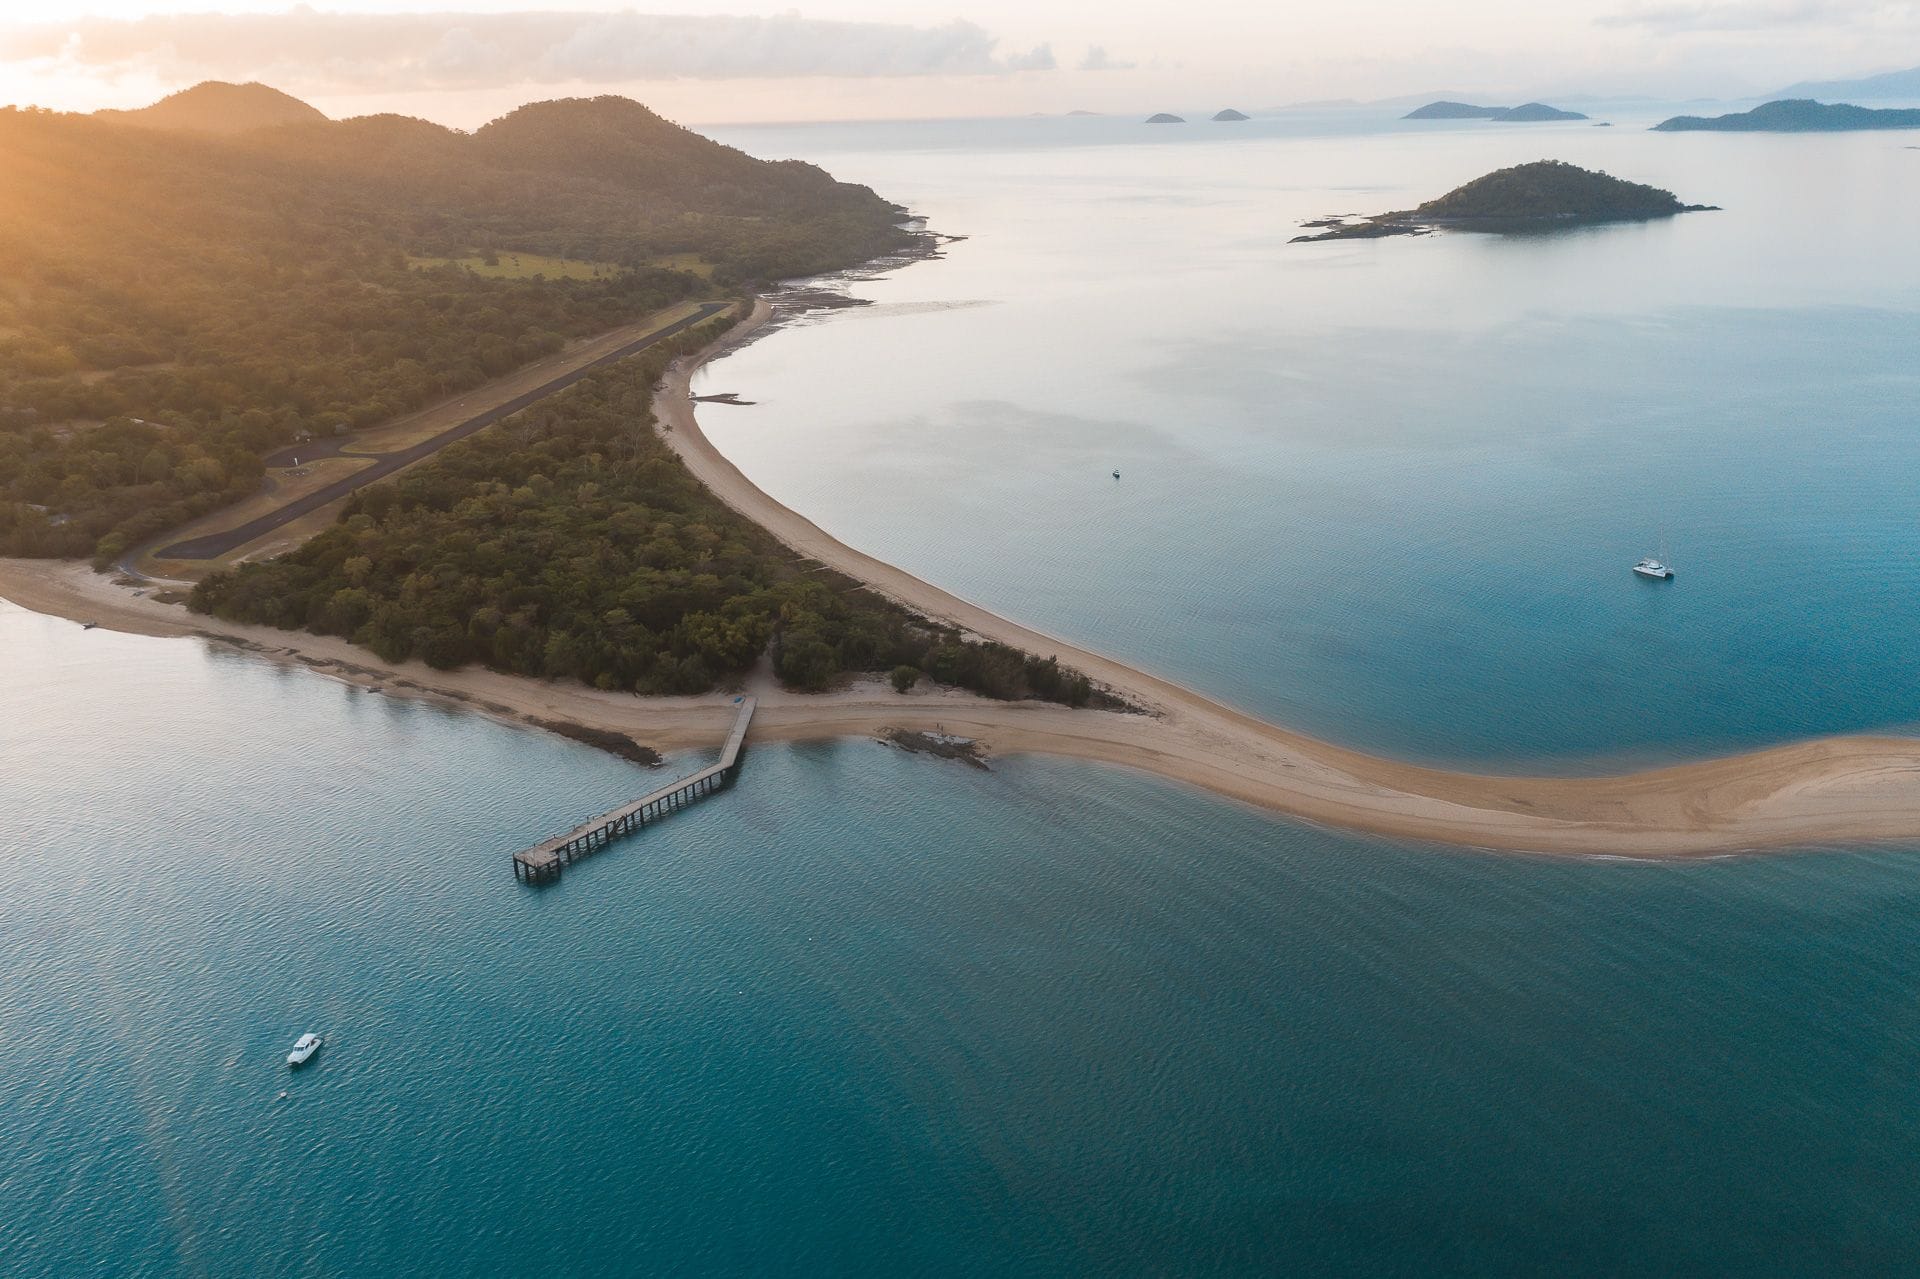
x,y
1853,789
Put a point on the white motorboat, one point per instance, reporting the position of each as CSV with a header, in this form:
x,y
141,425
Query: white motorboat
x,y
305,1047
1653,568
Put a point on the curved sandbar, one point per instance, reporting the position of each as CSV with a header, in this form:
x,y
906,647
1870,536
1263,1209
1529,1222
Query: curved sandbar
x,y
1842,789
1838,789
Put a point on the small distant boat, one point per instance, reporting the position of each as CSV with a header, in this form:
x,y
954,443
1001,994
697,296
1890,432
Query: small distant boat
x,y
305,1047
1116,473
1656,568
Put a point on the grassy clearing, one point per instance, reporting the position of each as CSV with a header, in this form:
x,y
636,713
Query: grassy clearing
x,y
692,263
524,266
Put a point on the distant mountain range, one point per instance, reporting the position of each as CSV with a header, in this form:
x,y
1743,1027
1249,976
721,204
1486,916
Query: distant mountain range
x,y
216,106
1799,115
1889,84
1530,113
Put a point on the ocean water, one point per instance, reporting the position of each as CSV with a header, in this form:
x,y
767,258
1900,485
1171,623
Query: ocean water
x,y
874,1013
1389,492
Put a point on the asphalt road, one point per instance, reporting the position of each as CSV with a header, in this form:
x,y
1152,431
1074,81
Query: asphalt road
x,y
214,545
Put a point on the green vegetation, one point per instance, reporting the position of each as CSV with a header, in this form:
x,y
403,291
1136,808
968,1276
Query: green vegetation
x,y
691,263
570,542
1547,189
1796,115
177,304
510,265
1544,193
219,107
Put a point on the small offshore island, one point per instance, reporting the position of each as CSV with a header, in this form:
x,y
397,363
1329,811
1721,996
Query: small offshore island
x,y
1528,113
1524,197
1796,115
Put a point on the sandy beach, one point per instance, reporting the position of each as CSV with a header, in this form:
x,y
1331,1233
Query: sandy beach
x,y
1848,789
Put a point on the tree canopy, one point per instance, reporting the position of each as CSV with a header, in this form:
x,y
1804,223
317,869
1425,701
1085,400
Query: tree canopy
x,y
569,542
176,305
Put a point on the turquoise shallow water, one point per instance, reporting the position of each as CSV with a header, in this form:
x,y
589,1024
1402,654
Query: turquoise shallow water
x,y
870,1013
1389,492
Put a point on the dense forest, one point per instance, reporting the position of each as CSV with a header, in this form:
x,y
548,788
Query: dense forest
x,y
570,542
177,304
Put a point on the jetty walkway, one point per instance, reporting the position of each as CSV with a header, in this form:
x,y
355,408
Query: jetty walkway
x,y
543,863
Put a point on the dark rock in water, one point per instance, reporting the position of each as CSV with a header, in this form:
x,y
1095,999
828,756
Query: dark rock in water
x,y
944,745
1366,229
1795,115
612,743
1230,115
1164,118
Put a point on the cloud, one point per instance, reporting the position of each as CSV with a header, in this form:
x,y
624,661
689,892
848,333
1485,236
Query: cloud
x,y
1733,15
1097,59
1041,59
347,52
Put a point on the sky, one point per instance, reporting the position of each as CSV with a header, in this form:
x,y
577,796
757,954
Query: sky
x,y
462,62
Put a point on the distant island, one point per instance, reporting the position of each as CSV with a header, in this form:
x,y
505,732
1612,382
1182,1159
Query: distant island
x,y
1888,84
1530,113
1525,197
1164,118
1795,115
1230,115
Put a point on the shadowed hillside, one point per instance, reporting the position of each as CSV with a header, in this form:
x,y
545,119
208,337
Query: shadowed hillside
x,y
178,303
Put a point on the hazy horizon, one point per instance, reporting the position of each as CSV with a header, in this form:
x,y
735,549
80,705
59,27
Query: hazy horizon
x,y
716,61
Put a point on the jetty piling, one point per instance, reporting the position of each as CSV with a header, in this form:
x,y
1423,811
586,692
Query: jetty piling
x,y
543,863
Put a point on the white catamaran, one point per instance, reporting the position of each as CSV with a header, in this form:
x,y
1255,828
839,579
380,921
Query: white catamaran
x,y
1655,567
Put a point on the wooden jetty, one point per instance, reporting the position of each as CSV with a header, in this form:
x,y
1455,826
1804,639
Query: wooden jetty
x,y
542,863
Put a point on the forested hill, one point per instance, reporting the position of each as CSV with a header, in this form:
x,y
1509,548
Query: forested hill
x,y
1799,115
176,304
219,107
1549,190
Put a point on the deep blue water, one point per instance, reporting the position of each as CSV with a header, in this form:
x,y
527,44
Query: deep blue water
x,y
872,1013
